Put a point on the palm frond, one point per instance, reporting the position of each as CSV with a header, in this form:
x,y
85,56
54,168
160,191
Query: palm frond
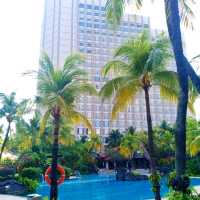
x,y
24,107
195,58
115,11
112,86
2,95
195,146
65,108
167,78
46,64
115,66
79,88
73,60
168,83
43,121
168,93
136,52
192,96
78,118
73,116
159,55
125,96
187,14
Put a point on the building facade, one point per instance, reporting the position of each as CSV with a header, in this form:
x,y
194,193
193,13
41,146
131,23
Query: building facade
x,y
72,26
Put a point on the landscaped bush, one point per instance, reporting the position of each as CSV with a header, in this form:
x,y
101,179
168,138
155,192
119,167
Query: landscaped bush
x,y
189,195
87,168
30,184
77,157
7,163
32,160
193,167
68,172
31,173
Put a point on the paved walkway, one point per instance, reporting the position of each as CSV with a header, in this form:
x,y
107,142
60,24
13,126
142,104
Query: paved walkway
x,y
8,197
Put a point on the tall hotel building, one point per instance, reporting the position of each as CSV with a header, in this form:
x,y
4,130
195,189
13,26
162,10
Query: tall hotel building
x,y
71,26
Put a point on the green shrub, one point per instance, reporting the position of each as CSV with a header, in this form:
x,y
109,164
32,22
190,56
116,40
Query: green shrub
x,y
30,184
31,173
193,167
7,163
68,172
86,168
189,195
31,160
170,179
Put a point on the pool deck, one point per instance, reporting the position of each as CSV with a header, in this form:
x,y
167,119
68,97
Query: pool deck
x,y
9,197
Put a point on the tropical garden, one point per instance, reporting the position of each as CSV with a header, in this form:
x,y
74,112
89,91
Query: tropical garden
x,y
40,132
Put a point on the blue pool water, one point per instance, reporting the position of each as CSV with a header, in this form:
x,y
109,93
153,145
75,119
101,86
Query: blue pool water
x,y
105,187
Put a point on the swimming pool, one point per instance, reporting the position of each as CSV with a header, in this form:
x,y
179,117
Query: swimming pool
x,y
105,187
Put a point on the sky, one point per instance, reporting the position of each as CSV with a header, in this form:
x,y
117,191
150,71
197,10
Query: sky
x,y
21,23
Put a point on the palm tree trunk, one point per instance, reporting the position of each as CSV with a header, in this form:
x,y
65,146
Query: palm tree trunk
x,y
54,186
5,140
173,23
156,184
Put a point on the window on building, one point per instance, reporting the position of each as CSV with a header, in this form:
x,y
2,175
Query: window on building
x,y
89,25
89,6
81,24
81,5
97,124
96,25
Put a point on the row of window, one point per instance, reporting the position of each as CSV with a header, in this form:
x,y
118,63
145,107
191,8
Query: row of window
x,y
105,26
95,51
101,123
82,12
94,7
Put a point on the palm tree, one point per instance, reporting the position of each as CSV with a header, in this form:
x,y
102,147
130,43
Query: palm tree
x,y
114,139
132,143
58,90
11,111
27,133
115,10
139,65
93,144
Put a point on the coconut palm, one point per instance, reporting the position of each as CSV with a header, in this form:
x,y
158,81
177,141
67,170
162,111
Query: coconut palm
x,y
93,144
58,90
114,139
140,64
176,11
27,133
131,143
12,111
